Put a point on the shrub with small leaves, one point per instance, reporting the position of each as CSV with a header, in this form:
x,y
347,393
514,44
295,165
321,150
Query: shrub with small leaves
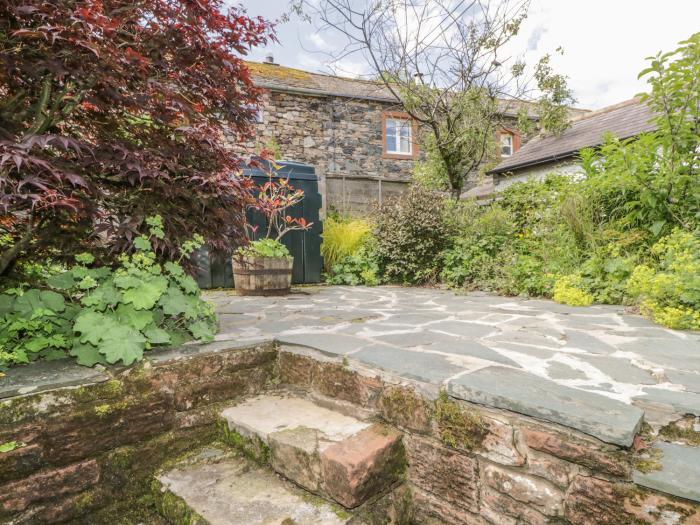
x,y
360,267
569,290
105,315
411,231
669,290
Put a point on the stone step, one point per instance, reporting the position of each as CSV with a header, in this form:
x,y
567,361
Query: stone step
x,y
677,472
220,487
328,453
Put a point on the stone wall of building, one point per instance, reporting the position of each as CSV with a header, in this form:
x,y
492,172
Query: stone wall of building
x,y
342,138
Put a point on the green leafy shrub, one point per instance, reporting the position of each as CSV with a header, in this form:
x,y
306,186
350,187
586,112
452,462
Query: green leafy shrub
x,y
528,276
101,315
669,291
569,290
342,238
360,267
264,248
478,256
411,231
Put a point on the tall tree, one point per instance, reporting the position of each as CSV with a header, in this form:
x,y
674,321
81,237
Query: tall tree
x,y
449,64
115,110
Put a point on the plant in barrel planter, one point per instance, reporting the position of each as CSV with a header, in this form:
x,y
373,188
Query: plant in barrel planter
x,y
264,266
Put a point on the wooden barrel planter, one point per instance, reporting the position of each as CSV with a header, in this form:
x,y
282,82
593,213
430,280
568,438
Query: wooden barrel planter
x,y
262,275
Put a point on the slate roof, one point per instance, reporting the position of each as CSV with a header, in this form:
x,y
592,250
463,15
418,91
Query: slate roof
x,y
277,77
624,120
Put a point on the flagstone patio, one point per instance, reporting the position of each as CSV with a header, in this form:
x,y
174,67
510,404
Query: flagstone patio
x,y
592,368
596,369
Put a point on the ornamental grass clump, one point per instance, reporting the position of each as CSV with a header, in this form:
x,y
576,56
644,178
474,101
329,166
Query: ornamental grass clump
x,y
342,238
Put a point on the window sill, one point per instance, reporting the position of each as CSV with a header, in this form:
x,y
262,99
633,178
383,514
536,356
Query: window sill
x,y
399,156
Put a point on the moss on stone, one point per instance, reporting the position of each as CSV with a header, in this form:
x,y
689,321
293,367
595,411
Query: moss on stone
x,y
106,409
648,461
405,408
253,448
319,502
458,427
108,390
173,508
682,431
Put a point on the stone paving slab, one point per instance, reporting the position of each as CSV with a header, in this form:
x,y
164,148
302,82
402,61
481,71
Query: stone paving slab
x,y
679,475
518,391
48,375
596,355
421,366
224,489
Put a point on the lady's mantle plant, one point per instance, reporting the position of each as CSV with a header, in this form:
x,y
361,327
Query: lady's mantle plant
x,y
105,315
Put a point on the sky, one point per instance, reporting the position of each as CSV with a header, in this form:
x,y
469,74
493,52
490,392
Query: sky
x,y
605,42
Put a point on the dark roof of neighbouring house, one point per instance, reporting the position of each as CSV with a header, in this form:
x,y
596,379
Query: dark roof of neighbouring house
x,y
624,120
281,78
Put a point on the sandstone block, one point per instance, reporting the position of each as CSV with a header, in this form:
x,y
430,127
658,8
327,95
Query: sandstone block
x,y
498,444
530,490
615,463
551,468
362,465
335,380
446,473
18,495
431,510
294,453
499,509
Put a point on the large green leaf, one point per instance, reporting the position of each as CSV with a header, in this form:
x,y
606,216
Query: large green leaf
x,y
202,330
61,281
7,303
139,319
87,354
106,294
173,301
26,303
147,293
156,336
122,343
52,300
92,326
188,284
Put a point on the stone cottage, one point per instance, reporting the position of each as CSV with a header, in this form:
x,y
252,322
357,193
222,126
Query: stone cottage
x,y
559,154
354,132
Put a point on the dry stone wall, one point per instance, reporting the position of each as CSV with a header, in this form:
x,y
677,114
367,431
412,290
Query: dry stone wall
x,y
469,464
91,449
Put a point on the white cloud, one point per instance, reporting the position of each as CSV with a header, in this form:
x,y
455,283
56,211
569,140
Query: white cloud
x,y
605,41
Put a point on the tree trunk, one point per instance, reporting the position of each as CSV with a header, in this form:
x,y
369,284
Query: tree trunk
x,y
9,255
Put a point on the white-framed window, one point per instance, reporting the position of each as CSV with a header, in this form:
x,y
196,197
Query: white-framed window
x,y
506,144
399,136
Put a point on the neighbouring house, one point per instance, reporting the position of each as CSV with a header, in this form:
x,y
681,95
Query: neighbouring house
x,y
354,132
559,154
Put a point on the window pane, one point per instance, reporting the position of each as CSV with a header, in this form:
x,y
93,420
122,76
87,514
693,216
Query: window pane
x,y
390,143
506,145
398,136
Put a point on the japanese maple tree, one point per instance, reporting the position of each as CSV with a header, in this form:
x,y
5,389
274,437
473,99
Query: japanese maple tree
x,y
115,110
